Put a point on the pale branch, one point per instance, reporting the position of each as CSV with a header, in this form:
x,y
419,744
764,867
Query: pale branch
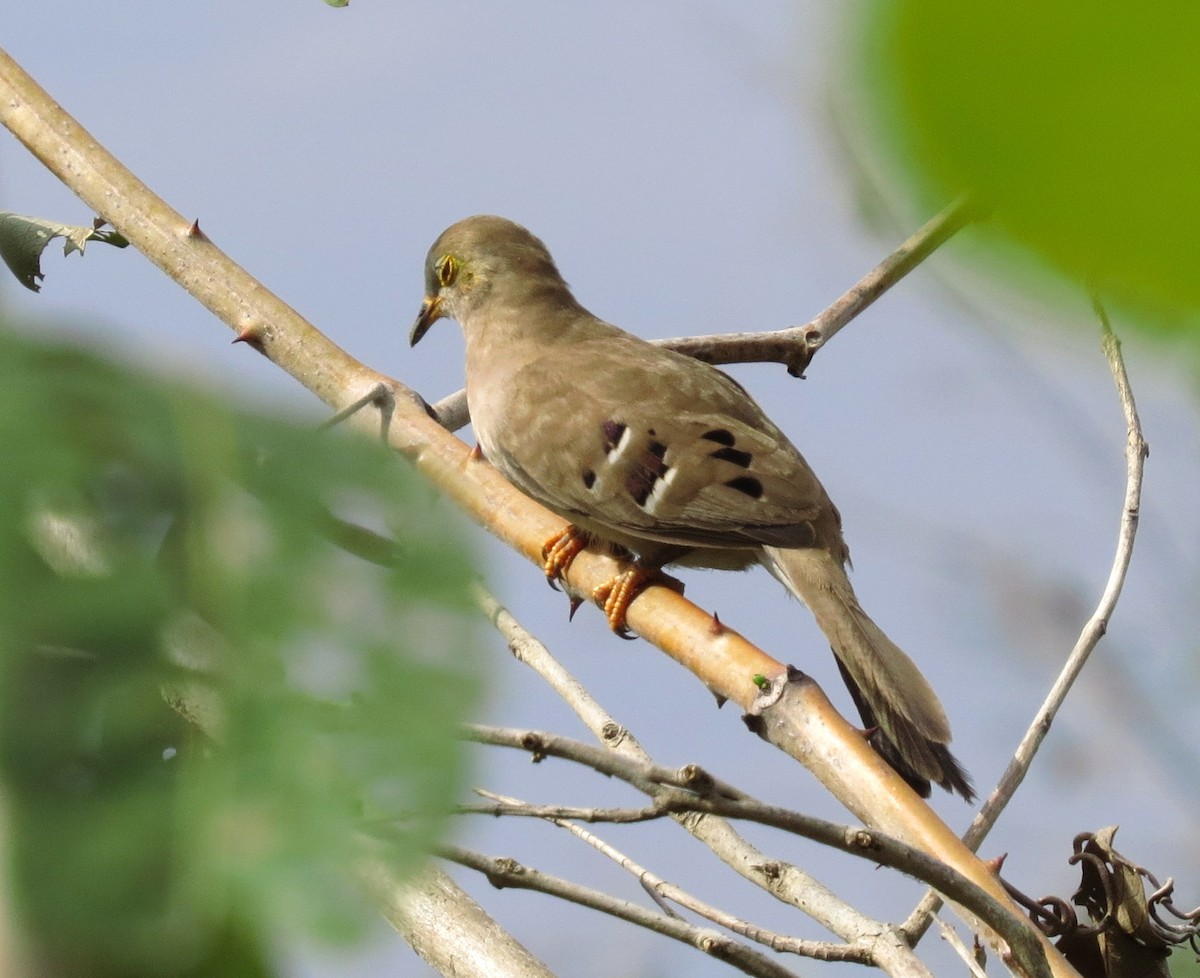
x,y
794,346
1136,452
950,936
691,789
785,881
504,872
447,928
721,659
534,654
498,806
661,891
641,774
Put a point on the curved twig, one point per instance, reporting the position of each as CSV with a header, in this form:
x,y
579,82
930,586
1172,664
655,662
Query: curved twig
x,y
1136,452
503,872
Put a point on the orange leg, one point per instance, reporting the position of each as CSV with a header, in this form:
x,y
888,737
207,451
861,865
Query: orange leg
x,y
561,549
617,595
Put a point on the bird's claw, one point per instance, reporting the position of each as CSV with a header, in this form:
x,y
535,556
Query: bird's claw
x,y
560,550
617,595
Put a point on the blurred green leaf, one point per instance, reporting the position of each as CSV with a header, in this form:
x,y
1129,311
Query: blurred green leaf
x,y
155,542
1077,123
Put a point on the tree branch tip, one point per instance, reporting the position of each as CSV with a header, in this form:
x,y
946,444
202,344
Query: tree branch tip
x,y
695,778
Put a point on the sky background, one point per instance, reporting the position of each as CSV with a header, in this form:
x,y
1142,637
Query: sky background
x,y
690,165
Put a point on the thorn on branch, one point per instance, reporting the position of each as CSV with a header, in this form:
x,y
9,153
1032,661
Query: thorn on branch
x,y
251,335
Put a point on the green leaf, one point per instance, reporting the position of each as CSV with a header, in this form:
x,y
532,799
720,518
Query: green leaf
x,y
203,701
1077,123
23,239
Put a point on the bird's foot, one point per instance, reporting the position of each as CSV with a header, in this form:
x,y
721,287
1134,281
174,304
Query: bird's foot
x,y
617,595
561,549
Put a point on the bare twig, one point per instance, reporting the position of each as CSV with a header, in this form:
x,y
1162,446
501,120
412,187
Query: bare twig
x,y
509,873
690,789
449,929
950,936
1136,452
499,805
661,891
796,347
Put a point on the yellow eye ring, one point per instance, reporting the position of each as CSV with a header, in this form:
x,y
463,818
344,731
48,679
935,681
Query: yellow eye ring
x,y
447,269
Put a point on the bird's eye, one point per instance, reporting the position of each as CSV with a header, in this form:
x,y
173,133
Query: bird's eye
x,y
447,269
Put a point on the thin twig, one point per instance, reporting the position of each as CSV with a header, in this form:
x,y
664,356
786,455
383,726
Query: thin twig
x,y
503,873
1136,452
660,890
690,789
950,936
796,347
499,805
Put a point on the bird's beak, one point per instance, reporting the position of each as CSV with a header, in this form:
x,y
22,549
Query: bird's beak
x,y
431,312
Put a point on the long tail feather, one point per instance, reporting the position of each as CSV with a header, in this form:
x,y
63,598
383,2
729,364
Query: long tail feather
x,y
888,688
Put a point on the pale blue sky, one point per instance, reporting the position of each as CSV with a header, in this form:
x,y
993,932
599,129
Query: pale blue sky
x,y
685,163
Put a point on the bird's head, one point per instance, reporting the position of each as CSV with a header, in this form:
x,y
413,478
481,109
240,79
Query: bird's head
x,y
481,260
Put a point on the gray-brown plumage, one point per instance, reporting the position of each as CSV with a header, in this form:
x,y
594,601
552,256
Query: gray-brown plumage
x,y
664,455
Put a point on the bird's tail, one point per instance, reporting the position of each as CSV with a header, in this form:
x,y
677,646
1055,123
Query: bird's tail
x,y
887,687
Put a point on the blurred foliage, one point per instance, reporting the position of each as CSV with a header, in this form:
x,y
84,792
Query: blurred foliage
x,y
159,547
1077,124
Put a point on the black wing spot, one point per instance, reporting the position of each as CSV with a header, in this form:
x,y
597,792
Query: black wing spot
x,y
657,448
589,478
747,484
720,435
734,455
643,476
613,430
